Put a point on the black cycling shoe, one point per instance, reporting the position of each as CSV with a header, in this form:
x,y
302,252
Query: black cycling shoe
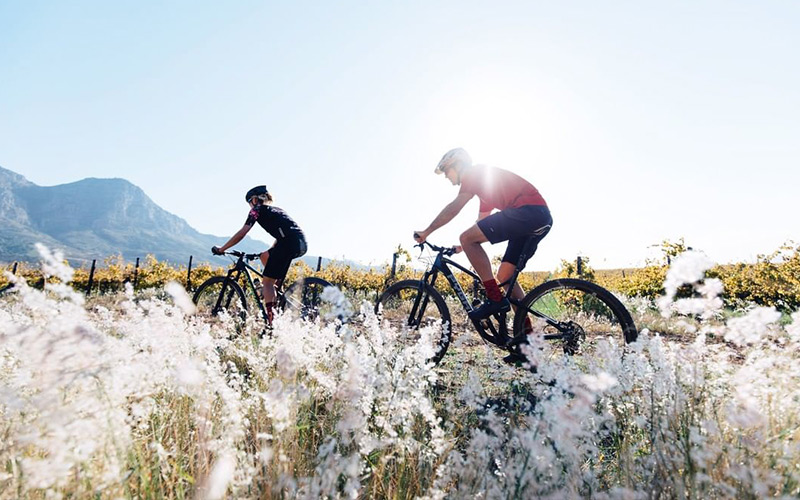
x,y
515,358
490,307
519,360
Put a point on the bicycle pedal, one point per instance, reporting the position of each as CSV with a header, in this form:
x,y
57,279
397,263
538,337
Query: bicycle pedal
x,y
514,358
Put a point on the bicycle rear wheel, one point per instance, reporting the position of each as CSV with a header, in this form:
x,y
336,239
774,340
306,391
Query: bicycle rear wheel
x,y
220,295
305,297
410,304
576,314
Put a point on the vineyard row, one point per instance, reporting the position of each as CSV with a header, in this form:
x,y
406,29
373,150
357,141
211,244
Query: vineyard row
x,y
773,280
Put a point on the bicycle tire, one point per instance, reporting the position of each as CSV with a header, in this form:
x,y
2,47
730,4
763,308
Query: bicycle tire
x,y
396,305
593,311
233,303
305,296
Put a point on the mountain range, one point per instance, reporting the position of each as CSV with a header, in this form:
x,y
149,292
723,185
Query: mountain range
x,y
97,218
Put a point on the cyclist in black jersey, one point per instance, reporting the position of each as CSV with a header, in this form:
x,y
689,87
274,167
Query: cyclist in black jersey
x,y
290,242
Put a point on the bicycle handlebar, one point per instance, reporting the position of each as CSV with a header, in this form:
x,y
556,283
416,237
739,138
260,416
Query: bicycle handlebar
x,y
248,256
447,251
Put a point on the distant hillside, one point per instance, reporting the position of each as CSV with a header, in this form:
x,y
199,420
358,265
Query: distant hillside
x,y
96,218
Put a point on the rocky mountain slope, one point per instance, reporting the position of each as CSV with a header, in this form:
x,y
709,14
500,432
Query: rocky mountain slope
x,y
96,218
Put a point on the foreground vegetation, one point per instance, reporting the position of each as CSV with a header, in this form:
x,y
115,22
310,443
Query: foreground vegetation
x,y
130,395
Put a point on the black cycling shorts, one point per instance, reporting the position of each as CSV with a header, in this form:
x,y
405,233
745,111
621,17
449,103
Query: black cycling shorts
x,y
281,255
523,225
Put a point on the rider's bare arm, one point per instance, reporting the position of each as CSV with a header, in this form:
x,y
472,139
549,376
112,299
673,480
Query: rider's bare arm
x,y
236,238
446,215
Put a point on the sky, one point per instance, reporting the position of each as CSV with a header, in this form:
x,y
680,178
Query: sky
x,y
637,121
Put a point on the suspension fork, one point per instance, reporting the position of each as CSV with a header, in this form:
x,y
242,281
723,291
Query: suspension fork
x,y
237,270
422,298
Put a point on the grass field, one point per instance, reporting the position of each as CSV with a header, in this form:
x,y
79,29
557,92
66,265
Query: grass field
x,y
129,395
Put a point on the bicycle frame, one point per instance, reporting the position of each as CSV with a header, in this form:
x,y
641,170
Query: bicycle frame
x,y
235,272
282,299
498,335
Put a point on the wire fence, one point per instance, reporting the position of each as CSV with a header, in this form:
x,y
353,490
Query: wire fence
x,y
109,275
93,276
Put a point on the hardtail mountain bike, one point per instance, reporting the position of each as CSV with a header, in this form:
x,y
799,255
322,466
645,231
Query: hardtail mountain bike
x,y
573,312
220,294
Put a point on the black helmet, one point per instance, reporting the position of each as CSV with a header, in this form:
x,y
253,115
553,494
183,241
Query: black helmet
x,y
256,191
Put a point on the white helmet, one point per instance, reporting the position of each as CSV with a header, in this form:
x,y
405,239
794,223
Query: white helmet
x,y
454,158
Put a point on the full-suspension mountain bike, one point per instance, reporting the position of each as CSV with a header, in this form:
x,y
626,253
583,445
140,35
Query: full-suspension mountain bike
x,y
573,312
220,294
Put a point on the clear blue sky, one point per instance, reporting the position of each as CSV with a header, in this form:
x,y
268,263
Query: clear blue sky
x,y
638,121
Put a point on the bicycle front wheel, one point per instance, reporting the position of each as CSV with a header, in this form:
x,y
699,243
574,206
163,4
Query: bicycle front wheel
x,y
220,295
305,297
575,313
411,304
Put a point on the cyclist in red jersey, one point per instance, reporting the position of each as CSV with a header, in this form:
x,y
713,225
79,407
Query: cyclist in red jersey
x,y
522,213
290,242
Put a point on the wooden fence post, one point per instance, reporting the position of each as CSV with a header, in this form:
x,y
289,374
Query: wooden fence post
x,y
394,263
14,269
580,267
319,264
189,275
91,278
136,274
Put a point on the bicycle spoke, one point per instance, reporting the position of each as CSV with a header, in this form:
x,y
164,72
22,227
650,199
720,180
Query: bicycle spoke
x,y
304,297
406,309
577,315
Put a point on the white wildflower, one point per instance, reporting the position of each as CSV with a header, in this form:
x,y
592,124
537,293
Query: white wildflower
x,y
220,478
53,263
189,374
181,297
750,328
600,382
687,268
341,308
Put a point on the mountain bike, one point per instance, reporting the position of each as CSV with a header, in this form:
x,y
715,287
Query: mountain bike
x,y
572,312
220,294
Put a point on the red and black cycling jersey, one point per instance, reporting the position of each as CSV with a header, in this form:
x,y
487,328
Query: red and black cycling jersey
x,y
274,221
498,188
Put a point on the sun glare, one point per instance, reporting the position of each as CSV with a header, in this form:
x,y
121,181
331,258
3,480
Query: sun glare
x,y
499,123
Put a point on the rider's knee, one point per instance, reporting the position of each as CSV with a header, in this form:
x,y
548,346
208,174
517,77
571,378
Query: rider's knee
x,y
468,238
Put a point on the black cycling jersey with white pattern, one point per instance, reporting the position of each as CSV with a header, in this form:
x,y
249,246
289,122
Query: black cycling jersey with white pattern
x,y
274,221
